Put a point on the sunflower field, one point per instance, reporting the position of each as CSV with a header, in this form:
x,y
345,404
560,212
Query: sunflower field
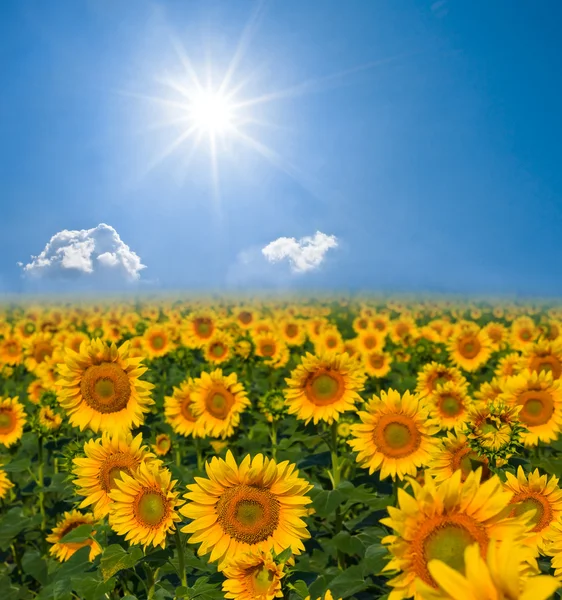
x,y
301,449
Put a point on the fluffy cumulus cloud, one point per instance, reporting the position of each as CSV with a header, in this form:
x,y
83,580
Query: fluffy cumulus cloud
x,y
95,257
303,255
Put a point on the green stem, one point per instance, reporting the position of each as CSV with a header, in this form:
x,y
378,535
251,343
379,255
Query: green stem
x,y
178,456
199,454
335,458
151,581
41,483
273,437
16,558
181,558
55,465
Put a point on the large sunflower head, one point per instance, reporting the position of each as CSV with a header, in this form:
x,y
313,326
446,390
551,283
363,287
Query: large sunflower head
x,y
64,550
38,348
324,386
469,348
544,355
11,350
107,459
157,340
199,327
450,405
219,348
377,363
497,333
502,574
434,374
523,332
453,454
253,576
100,388
395,435
12,421
508,365
257,505
218,401
440,520
539,398
178,410
144,505
538,492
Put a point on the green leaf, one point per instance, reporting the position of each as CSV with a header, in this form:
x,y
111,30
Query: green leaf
x,y
285,555
375,559
325,502
301,588
78,534
16,466
115,558
348,583
33,564
12,524
348,544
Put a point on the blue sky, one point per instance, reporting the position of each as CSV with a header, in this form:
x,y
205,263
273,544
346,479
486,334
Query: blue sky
x,y
436,166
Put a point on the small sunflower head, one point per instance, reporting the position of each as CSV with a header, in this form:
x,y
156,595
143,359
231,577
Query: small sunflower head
x,y
273,405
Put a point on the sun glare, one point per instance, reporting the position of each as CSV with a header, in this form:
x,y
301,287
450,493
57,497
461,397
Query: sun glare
x,y
211,112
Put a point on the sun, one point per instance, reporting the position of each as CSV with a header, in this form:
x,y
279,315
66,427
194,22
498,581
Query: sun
x,y
211,112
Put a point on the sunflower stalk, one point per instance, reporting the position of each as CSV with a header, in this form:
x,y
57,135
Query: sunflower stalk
x,y
41,482
181,558
199,454
273,438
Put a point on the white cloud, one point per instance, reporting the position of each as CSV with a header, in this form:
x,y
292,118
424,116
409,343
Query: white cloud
x,y
95,256
305,254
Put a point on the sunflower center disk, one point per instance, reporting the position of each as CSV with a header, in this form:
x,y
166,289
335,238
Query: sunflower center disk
x,y
152,508
262,580
325,389
268,349
538,408
106,388
542,516
219,403
203,327
377,361
7,422
187,412
217,350
396,436
248,514
469,347
448,545
245,317
450,406
158,342
291,330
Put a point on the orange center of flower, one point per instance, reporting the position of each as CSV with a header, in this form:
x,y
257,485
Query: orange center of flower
x,y
469,346
370,342
41,351
445,538
378,325
248,513
547,363
8,421
151,508
553,331
219,401
245,317
396,436
113,467
29,328
402,330
291,330
362,324
218,349
262,581
331,342
157,341
525,335
538,407
187,412
203,327
376,360
324,387
450,406
106,387
526,501
267,349
12,348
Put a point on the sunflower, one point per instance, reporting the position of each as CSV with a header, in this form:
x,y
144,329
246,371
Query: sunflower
x,y
538,492
26,328
35,391
157,341
440,520
100,388
543,355
329,340
293,331
49,419
540,400
497,334
454,453
499,575
11,350
144,506
380,322
490,391
508,365
72,340
5,484
377,364
178,410
370,340
449,405
198,328
245,317
64,550
257,506
218,401
403,329
12,421
360,323
469,348
272,405
269,346
162,444
434,374
253,576
523,332
219,348
107,459
395,435
37,349
324,386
